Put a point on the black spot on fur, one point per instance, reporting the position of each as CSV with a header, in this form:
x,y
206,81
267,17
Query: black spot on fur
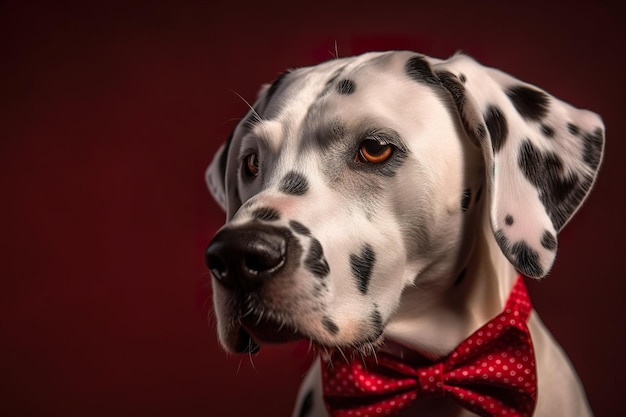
x,y
277,82
547,131
315,261
560,192
418,70
525,258
530,103
362,266
592,152
377,321
294,183
462,78
573,129
465,199
330,326
299,228
307,404
497,126
460,278
346,87
548,240
508,220
266,213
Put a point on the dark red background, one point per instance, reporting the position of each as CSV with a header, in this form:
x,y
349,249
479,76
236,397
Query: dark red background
x,y
109,115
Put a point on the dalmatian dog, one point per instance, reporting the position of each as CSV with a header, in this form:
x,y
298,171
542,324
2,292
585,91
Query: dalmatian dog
x,y
397,197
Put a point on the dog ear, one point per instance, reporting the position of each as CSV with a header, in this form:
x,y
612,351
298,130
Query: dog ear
x,y
541,156
215,175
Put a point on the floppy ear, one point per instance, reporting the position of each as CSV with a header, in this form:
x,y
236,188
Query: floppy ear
x,y
215,175
541,156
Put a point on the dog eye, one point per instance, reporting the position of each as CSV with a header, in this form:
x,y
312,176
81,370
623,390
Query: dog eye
x,y
374,151
251,165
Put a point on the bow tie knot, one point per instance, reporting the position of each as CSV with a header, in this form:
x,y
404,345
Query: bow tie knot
x,y
431,381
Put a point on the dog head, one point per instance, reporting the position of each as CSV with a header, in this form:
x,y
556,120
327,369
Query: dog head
x,y
349,181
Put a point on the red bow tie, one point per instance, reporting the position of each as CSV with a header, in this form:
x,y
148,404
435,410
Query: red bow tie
x,y
491,373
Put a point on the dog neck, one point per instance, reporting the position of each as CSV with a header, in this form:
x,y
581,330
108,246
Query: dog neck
x,y
462,308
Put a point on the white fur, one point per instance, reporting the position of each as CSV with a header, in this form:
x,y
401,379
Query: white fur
x,y
412,220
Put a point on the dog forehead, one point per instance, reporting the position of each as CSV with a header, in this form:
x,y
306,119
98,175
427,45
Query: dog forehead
x,y
300,88
329,94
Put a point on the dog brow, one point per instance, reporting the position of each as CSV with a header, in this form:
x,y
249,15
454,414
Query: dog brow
x,y
270,132
325,136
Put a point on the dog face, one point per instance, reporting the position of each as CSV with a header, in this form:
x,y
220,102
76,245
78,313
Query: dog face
x,y
349,181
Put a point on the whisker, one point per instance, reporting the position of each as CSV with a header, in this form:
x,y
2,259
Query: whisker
x,y
248,312
374,354
363,361
282,324
232,119
254,112
324,353
335,55
260,318
343,354
250,354
239,367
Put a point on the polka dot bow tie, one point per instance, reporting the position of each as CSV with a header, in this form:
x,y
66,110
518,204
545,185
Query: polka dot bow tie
x,y
491,373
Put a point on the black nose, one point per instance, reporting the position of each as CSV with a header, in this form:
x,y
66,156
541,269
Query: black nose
x,y
245,257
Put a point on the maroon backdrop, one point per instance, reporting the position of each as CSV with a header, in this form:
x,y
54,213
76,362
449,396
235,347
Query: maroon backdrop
x,y
109,115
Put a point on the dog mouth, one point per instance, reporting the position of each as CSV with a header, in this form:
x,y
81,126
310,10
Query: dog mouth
x,y
258,327
255,324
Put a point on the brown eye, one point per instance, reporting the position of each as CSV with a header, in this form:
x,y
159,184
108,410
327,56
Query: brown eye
x,y
374,152
251,165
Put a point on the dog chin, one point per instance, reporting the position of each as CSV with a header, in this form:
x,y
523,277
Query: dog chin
x,y
255,331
